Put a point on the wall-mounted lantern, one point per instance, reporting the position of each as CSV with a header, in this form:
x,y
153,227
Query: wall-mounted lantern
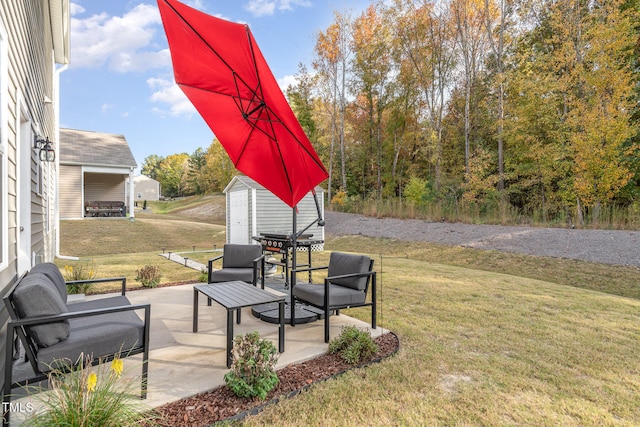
x,y
46,153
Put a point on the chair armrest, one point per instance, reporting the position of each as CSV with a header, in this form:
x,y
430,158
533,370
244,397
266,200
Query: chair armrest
x,y
210,266
42,320
308,269
302,270
215,259
345,276
257,267
123,280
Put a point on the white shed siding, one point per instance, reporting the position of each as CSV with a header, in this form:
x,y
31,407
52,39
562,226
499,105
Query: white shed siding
x,y
267,213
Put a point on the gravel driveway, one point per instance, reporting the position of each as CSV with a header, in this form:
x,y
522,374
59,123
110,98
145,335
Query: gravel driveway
x,y
601,246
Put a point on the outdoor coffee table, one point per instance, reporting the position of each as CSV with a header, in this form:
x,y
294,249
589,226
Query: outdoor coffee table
x,y
234,296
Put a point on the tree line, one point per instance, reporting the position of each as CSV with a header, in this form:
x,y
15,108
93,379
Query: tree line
x,y
533,105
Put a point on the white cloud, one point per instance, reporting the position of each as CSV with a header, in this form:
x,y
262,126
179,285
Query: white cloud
x,y
76,9
123,43
168,92
268,7
260,7
106,107
287,81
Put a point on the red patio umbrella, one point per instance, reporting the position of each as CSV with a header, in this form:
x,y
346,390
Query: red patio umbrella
x,y
220,68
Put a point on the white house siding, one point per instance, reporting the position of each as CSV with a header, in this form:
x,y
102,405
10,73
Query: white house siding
x,y
28,78
70,194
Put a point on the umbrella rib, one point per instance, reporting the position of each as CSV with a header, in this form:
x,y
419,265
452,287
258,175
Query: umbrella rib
x,y
213,50
311,155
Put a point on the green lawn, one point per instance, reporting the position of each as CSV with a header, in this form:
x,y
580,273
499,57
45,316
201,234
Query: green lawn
x,y
487,338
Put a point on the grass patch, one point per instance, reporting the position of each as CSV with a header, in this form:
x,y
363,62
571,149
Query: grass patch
x,y
480,348
613,279
106,236
119,265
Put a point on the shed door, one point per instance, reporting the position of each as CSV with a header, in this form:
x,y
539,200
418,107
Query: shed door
x,y
239,217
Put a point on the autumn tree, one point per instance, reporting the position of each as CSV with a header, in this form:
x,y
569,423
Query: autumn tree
x,y
220,169
571,102
425,39
197,182
333,52
497,15
372,66
468,17
601,106
300,97
173,174
151,166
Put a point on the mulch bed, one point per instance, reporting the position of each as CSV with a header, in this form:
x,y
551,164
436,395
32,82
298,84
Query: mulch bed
x,y
221,404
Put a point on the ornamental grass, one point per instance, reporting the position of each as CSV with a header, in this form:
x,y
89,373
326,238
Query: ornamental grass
x,y
88,396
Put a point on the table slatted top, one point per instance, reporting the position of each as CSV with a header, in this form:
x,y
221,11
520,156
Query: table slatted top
x,y
237,294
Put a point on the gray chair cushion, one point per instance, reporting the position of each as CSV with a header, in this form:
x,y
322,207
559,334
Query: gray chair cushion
x,y
240,256
338,295
36,295
229,274
341,263
52,271
97,336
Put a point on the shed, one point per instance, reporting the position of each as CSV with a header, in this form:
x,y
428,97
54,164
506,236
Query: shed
x,y
252,209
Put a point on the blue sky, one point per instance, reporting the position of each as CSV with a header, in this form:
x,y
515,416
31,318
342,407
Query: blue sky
x,y
120,79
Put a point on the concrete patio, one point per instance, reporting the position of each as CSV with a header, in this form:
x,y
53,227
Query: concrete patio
x,y
183,363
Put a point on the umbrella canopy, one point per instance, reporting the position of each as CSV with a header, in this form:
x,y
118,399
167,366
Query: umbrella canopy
x,y
220,68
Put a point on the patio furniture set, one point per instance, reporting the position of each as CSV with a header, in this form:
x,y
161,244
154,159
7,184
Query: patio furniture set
x,y
104,208
51,330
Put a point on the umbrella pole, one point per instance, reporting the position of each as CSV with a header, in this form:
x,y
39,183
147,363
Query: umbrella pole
x,y
294,248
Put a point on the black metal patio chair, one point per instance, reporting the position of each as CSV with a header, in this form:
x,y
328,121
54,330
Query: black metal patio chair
x,y
346,286
239,262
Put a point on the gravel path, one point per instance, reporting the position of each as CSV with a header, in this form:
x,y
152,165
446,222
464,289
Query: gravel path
x,y
601,246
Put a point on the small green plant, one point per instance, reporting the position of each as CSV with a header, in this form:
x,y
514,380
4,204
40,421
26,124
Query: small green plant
x,y
89,396
204,276
354,345
253,370
149,276
79,271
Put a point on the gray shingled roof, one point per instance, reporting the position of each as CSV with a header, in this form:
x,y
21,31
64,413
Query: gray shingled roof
x,y
94,148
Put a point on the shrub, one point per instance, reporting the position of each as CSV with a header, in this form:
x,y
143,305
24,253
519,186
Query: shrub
x,y
79,271
417,191
253,370
149,276
340,198
354,345
204,276
89,396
